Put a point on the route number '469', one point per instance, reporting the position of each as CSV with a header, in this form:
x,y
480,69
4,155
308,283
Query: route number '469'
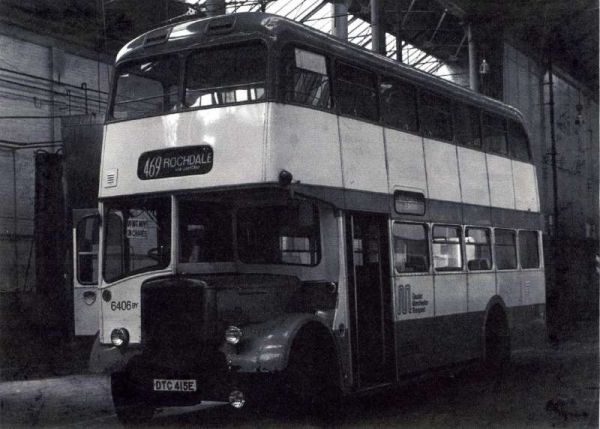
x,y
152,167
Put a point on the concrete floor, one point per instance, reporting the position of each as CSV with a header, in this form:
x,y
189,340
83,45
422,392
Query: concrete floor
x,y
556,386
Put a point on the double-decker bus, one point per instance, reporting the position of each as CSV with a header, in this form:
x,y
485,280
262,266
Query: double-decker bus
x,y
282,210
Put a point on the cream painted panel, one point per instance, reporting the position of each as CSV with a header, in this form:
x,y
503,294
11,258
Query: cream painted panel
x,y
473,177
501,183
525,182
509,287
128,289
406,161
236,134
533,287
363,156
481,288
450,294
442,171
413,297
304,142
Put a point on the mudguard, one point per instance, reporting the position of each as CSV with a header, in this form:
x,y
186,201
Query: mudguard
x,y
265,347
106,359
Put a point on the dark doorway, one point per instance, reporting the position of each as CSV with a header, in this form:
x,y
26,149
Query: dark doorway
x,y
370,299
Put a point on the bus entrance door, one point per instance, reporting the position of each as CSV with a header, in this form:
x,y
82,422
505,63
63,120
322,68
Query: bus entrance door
x,y
370,299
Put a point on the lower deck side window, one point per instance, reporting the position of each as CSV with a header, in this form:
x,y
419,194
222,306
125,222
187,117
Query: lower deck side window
x,y
478,246
411,253
447,254
529,253
506,249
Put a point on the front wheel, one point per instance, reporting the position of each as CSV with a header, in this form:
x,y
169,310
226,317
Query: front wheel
x,y
311,378
130,408
497,342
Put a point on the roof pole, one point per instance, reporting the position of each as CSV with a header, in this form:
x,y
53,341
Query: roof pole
x,y
215,7
377,31
473,76
340,19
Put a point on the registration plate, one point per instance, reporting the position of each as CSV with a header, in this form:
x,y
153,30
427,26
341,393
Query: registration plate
x,y
169,385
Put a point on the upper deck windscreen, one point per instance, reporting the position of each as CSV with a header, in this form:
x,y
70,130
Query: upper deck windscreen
x,y
213,77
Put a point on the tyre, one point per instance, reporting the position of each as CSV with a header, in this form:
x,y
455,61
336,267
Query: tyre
x,y
130,408
311,378
497,341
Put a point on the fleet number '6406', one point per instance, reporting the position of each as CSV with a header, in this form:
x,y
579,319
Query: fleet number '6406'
x,y
123,305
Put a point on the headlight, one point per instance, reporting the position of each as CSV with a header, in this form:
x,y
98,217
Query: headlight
x,y
233,334
89,297
119,337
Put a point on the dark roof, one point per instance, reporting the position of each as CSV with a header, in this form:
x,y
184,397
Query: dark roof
x,y
276,29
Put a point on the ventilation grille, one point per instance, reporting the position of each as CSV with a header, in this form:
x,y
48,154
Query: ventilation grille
x,y
157,36
111,178
220,25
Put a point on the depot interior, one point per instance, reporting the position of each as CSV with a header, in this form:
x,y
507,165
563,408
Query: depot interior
x,y
56,61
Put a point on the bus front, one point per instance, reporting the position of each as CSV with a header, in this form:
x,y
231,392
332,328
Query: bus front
x,y
209,266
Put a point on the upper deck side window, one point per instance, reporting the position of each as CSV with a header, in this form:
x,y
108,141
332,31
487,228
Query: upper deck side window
x,y
494,134
226,75
518,142
356,92
467,125
435,116
399,104
305,78
146,87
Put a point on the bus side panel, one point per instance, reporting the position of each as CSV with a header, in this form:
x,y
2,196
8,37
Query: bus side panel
x,y
406,161
363,156
509,287
481,287
86,315
534,288
414,322
311,153
453,327
525,182
473,177
501,181
442,171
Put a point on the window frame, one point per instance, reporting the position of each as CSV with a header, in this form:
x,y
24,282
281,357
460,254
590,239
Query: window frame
x,y
485,144
185,57
118,206
538,247
318,236
280,90
479,137
515,247
511,153
428,228
396,80
335,91
490,246
420,116
460,246
113,91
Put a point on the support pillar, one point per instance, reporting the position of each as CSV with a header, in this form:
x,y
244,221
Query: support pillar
x,y
473,70
377,30
215,7
340,20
